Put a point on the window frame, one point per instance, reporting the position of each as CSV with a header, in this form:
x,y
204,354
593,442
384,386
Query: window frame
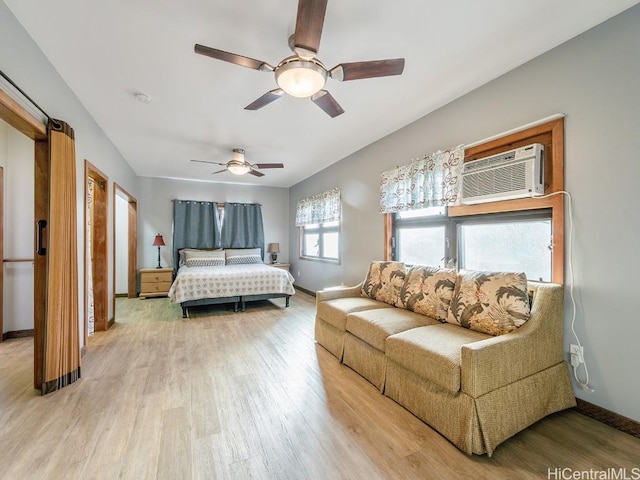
x,y
321,229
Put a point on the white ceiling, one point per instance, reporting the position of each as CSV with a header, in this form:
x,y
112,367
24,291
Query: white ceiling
x,y
108,50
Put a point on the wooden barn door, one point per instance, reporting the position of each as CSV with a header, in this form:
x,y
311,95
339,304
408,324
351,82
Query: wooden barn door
x,y
56,241
56,327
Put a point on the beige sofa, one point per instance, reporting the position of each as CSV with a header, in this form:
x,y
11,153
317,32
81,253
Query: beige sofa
x,y
475,388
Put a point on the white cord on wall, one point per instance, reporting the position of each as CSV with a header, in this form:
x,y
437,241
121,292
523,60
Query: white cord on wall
x,y
584,385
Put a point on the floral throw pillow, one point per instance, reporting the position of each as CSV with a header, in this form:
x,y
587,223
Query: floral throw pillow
x,y
384,281
490,302
428,290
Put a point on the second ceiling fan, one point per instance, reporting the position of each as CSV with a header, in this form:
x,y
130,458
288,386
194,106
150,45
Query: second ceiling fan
x,y
302,75
239,166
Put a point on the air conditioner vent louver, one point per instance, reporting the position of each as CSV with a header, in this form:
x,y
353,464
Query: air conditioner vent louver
x,y
514,174
487,162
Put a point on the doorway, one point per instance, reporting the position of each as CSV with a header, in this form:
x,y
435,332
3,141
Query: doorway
x,y
95,251
125,241
56,352
16,240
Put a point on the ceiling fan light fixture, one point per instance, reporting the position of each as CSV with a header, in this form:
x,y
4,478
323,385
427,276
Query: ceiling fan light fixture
x,y
301,78
238,168
238,155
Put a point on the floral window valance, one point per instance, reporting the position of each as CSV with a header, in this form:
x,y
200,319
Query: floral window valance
x,y
431,181
321,208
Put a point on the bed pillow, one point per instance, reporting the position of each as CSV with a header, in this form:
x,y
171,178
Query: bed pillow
x,y
384,281
428,290
182,255
490,302
243,256
204,258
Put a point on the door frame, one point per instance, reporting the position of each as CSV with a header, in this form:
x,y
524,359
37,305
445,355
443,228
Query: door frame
x,y
132,243
20,119
101,249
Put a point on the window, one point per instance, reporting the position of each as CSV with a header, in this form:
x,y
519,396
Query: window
x,y
519,241
320,241
319,220
512,245
420,236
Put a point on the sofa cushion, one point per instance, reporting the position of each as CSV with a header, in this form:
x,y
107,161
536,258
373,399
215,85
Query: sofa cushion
x,y
374,326
491,302
432,352
335,311
384,281
428,290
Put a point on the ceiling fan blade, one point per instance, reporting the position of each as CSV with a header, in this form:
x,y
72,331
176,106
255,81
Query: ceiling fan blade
x,y
306,39
232,58
269,165
256,173
327,103
206,161
219,171
265,99
374,68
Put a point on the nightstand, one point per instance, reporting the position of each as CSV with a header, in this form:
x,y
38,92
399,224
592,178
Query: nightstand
x,y
283,266
155,282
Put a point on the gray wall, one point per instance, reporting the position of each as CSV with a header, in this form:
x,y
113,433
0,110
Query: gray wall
x,y
594,79
155,210
27,66
16,156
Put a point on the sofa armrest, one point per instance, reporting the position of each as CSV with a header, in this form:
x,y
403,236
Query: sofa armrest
x,y
338,292
535,346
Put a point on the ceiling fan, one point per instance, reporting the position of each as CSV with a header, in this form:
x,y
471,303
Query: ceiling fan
x,y
302,75
239,166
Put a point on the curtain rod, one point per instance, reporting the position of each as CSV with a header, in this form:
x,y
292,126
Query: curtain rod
x,y
220,204
22,92
517,129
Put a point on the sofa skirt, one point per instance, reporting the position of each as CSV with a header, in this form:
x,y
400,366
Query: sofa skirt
x,y
452,415
329,337
479,425
368,361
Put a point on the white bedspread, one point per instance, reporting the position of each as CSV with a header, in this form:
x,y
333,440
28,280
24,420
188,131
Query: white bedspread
x,y
195,283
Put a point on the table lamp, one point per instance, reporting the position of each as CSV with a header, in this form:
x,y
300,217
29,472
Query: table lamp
x,y
274,249
158,242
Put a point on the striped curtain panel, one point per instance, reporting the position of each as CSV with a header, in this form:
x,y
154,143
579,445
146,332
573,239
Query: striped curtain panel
x,y
61,329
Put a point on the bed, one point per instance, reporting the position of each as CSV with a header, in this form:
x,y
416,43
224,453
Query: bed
x,y
206,279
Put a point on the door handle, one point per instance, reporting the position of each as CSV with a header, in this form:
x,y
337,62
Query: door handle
x,y
40,249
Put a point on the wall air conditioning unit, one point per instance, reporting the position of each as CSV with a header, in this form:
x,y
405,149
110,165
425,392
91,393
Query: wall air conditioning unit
x,y
518,173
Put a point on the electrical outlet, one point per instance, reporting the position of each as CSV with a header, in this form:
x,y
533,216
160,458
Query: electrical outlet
x,y
578,351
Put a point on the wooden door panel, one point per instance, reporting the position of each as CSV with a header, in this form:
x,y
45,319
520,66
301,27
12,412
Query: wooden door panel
x,y
61,335
41,212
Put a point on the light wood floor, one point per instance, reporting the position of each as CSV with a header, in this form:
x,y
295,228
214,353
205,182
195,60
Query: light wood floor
x,y
249,395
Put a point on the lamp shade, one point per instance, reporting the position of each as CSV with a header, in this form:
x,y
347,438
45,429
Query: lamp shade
x,y
274,248
238,168
299,78
159,241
